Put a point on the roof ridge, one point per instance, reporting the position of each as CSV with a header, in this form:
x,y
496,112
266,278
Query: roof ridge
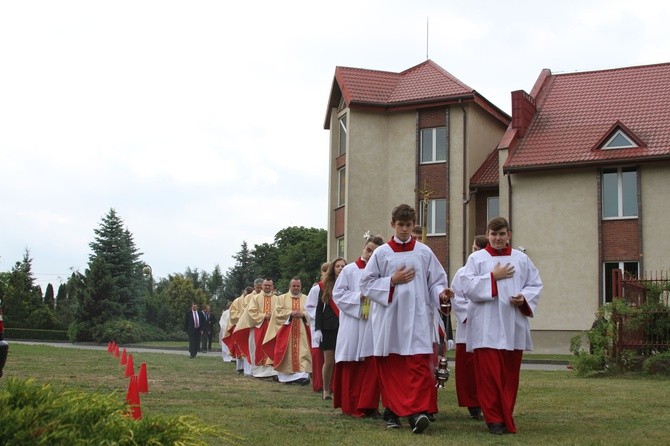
x,y
605,70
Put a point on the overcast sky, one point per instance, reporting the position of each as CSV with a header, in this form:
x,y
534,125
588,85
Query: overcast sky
x,y
201,122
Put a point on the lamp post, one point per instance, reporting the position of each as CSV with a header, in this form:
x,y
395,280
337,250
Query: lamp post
x,y
4,346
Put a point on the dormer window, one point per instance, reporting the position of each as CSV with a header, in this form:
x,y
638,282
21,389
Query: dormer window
x,y
619,140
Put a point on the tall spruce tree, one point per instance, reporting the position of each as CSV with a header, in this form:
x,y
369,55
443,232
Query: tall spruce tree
x,y
22,296
241,275
49,299
114,249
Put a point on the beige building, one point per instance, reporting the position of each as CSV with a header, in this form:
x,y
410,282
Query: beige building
x,y
392,134
581,170
582,174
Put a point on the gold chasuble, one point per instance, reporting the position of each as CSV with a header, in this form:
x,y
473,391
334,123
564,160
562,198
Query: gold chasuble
x,y
287,340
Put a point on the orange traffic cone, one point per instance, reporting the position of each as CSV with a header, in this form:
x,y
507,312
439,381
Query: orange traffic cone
x,y
133,399
116,351
124,358
130,368
142,382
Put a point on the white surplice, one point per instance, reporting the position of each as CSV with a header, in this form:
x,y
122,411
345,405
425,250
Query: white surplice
x,y
405,325
354,337
493,322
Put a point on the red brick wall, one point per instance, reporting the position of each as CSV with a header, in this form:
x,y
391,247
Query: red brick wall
x,y
621,240
436,117
439,247
436,174
437,179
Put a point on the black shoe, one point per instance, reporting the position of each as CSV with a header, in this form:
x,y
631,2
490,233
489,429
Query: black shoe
x,y
392,420
430,416
373,414
192,356
475,413
419,423
304,381
239,372
496,428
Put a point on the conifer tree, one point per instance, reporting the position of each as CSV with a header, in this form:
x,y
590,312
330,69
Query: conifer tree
x,y
49,297
114,275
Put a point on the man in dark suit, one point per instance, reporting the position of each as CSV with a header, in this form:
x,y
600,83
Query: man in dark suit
x,y
208,330
194,320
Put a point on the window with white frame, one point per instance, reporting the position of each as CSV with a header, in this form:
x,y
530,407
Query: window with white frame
x,y
630,269
433,145
619,141
492,208
436,218
341,186
340,247
619,192
343,135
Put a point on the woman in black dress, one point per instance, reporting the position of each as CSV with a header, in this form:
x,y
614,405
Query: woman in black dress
x,y
327,323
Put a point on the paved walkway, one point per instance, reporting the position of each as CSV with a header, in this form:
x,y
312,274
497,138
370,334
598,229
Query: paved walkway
x,y
528,364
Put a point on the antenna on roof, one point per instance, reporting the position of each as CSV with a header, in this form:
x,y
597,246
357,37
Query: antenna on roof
x,y
427,38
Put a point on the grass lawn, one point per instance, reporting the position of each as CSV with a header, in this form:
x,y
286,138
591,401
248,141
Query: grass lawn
x,y
553,407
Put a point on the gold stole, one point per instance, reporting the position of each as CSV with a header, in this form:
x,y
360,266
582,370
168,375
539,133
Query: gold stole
x,y
295,336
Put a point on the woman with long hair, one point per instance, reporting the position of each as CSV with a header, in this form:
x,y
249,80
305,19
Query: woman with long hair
x,y
327,322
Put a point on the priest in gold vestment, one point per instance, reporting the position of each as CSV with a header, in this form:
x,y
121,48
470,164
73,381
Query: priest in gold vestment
x,y
287,340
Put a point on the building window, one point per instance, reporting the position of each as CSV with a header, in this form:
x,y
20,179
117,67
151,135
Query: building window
x,y
433,145
619,190
340,247
630,269
341,186
619,141
436,217
343,135
492,208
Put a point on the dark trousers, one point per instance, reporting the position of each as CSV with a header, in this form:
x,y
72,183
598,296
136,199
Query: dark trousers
x,y
206,341
193,341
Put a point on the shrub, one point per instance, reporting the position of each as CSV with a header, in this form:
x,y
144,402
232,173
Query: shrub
x,y
122,331
79,332
32,333
658,364
44,415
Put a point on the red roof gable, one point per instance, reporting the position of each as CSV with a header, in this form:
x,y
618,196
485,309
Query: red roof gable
x,y
487,174
425,84
576,111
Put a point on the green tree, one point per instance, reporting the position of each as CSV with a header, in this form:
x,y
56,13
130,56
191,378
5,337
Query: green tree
x,y
241,275
49,300
97,302
178,296
22,297
266,261
66,299
115,248
301,251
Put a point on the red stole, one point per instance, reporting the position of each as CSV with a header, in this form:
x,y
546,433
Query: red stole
x,y
330,302
259,333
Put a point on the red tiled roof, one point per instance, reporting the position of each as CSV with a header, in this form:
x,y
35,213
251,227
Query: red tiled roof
x,y
426,83
487,174
575,111
422,82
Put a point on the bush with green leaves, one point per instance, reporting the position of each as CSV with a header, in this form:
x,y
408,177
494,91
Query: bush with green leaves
x,y
41,414
658,364
119,330
596,359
